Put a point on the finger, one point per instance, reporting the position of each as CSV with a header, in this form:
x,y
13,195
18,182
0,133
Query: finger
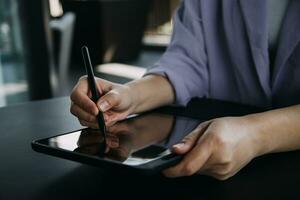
x,y
118,128
89,124
108,101
111,123
90,94
116,117
108,115
104,86
113,142
80,97
186,144
112,117
216,175
82,114
189,141
192,161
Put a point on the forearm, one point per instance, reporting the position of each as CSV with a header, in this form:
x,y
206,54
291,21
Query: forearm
x,y
278,130
150,92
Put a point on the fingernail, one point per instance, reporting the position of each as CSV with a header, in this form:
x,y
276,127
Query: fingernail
x,y
103,106
95,111
179,145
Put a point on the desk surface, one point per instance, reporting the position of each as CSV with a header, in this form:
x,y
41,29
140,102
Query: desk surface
x,y
25,174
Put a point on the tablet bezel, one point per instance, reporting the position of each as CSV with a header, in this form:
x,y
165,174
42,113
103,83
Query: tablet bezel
x,y
150,167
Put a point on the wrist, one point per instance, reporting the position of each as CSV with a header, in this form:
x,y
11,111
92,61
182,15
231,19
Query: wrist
x,y
134,96
260,140
150,92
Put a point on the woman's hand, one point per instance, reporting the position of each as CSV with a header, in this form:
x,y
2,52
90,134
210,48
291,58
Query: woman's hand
x,y
218,148
116,103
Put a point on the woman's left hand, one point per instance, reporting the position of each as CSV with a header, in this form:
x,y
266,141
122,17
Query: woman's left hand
x,y
217,148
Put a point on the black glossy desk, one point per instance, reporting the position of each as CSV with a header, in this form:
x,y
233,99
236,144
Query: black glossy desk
x,y
25,174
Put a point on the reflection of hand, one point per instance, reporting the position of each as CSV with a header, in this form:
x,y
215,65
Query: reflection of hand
x,y
91,142
126,136
143,130
90,136
218,148
140,132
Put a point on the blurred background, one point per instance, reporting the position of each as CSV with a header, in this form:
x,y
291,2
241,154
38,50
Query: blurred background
x,y
40,43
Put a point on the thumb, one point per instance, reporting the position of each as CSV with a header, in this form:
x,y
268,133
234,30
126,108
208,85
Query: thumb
x,y
108,101
188,142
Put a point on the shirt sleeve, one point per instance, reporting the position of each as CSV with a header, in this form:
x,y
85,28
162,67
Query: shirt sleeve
x,y
184,63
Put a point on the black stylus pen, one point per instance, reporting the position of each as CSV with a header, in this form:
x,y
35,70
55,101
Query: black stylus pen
x,y
93,87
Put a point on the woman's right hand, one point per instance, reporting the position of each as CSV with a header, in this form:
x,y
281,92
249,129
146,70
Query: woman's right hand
x,y
116,102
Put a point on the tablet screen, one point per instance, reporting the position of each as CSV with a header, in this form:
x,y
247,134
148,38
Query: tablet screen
x,y
134,141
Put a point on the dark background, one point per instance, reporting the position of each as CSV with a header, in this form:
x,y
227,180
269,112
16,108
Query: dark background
x,y
40,42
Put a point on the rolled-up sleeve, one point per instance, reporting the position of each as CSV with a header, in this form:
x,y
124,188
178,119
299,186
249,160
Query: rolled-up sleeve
x,y
184,63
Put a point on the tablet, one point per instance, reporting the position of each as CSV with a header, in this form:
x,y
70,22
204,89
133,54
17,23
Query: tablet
x,y
140,144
